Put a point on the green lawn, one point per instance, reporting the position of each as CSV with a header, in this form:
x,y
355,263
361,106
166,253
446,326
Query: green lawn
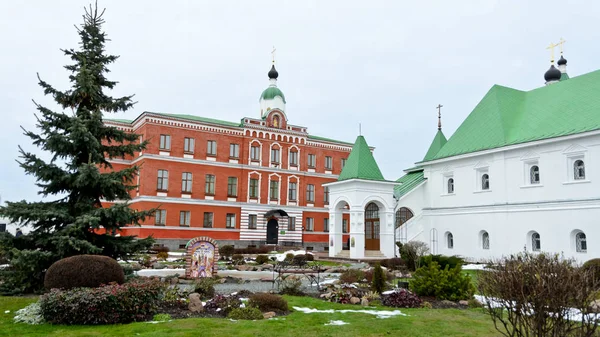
x,y
420,322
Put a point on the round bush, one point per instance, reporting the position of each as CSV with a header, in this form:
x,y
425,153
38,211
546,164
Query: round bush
x,y
289,257
592,266
83,271
226,251
268,302
262,259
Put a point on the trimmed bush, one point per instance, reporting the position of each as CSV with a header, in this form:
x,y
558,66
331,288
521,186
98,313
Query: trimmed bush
x,y
291,285
238,259
83,271
352,276
310,257
162,255
445,284
205,287
593,267
268,302
401,298
442,260
299,260
226,251
262,259
245,314
289,257
111,304
378,283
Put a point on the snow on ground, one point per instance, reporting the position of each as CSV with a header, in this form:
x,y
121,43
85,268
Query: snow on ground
x,y
332,322
376,313
473,266
161,272
281,257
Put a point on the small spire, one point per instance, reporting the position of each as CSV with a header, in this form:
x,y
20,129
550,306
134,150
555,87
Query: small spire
x,y
359,130
439,107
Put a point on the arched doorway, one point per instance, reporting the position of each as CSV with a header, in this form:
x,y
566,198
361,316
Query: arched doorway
x,y
272,231
372,227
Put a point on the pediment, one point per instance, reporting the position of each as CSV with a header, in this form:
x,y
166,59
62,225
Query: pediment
x,y
575,148
530,155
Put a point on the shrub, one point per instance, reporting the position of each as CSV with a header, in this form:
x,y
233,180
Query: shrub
x,y
378,283
161,317
444,284
593,267
222,305
546,285
111,304
145,260
83,271
299,260
31,314
386,275
226,251
162,256
352,276
127,269
394,263
238,259
371,296
442,260
289,257
401,298
309,257
426,305
205,287
262,259
473,303
291,285
268,302
175,297
412,252
246,314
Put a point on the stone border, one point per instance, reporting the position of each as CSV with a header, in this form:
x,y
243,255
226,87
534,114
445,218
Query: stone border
x,y
188,254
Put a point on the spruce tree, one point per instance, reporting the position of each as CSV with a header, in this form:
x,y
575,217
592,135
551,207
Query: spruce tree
x,y
79,176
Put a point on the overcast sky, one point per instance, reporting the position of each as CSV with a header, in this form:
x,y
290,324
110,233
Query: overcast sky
x,y
384,64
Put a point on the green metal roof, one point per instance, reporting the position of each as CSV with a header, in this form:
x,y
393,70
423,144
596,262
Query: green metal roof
x,y
408,182
199,119
272,92
328,140
508,116
438,141
361,164
126,121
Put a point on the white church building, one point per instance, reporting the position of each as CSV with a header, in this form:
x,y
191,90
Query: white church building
x,y
522,172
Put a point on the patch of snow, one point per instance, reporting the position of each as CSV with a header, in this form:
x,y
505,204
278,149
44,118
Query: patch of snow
x,y
176,253
7,311
388,292
234,293
473,266
233,320
328,281
160,272
376,313
244,299
156,322
332,322
281,257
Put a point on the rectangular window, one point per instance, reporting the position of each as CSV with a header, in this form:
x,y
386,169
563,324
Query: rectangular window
x,y
163,180
310,224
186,182
184,218
291,223
310,193
188,145
230,220
208,219
160,217
210,185
312,160
253,188
274,190
326,194
275,156
345,226
165,142
326,225
255,153
293,158
252,220
292,191
344,160
234,151
328,163
211,148
232,187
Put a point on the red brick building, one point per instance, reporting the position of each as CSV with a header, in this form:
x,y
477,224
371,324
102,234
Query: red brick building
x,y
244,183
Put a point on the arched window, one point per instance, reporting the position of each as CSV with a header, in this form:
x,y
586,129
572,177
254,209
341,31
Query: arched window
x,y
534,174
536,243
403,215
580,242
450,185
485,182
485,240
579,170
450,240
372,211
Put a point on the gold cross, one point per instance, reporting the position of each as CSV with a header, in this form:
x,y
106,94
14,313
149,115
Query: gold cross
x,y
561,44
551,47
273,54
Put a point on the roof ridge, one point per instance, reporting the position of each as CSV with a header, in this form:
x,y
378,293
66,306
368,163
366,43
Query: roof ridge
x,y
361,164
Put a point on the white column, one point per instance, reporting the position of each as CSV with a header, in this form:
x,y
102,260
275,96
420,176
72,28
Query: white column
x,y
386,233
335,232
357,233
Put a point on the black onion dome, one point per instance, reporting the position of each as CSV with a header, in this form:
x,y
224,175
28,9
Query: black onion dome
x,y
552,74
273,74
562,61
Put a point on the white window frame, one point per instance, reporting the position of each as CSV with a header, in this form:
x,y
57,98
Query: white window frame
x,y
211,148
234,151
445,178
188,145
578,246
229,220
480,172
310,224
184,218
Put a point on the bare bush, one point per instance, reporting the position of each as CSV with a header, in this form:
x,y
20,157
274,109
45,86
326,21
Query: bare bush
x,y
539,295
412,252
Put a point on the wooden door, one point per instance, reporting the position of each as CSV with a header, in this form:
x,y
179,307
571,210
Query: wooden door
x,y
372,234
